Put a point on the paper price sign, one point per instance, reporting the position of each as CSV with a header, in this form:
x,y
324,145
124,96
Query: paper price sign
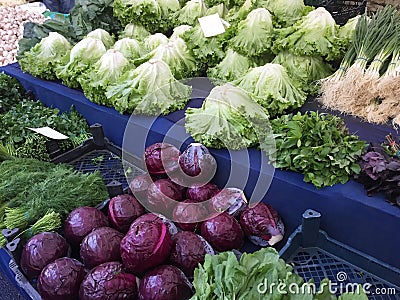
x,y
50,133
211,25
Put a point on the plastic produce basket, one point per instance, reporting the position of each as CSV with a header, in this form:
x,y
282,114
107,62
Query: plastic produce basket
x,y
341,10
97,154
314,255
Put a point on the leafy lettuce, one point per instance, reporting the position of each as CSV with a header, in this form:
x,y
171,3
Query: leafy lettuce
x,y
254,34
150,89
130,48
106,71
176,55
307,70
271,86
153,41
44,57
287,11
84,54
103,36
233,66
316,34
228,118
134,31
189,14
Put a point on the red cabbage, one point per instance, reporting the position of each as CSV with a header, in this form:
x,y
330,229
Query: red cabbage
x,y
146,245
139,185
156,218
196,161
60,280
161,158
202,193
165,283
161,196
231,200
188,251
123,210
41,250
108,281
81,222
100,246
223,232
262,225
188,213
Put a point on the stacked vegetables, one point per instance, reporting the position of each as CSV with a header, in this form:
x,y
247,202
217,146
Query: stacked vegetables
x,y
133,246
12,21
366,84
19,113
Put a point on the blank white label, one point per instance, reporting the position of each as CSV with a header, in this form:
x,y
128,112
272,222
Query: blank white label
x,y
211,25
50,133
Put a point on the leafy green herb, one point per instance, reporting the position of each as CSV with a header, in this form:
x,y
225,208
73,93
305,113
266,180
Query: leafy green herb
x,y
11,91
224,277
317,145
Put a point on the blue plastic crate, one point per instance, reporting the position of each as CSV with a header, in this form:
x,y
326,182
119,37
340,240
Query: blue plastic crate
x,y
314,255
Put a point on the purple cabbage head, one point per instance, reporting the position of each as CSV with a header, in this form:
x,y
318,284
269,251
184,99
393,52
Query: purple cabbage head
x,y
100,246
139,186
188,251
81,222
223,232
262,225
230,200
165,283
41,250
161,194
108,281
161,158
61,279
188,213
123,210
145,246
196,161
157,218
201,193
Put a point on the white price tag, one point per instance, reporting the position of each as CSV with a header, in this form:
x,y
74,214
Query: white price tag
x,y
50,133
211,25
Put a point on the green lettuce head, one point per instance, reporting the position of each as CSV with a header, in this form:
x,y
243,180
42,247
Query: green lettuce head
x,y
44,57
103,36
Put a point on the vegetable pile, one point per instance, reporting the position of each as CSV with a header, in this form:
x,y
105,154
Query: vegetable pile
x,y
380,172
366,84
12,21
20,112
148,258
317,145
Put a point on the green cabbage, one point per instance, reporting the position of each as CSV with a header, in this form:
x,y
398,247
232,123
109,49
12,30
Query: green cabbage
x,y
179,31
254,34
103,36
42,59
176,55
316,34
84,54
153,41
228,118
271,86
130,48
106,71
134,31
150,89
307,70
154,15
189,14
233,66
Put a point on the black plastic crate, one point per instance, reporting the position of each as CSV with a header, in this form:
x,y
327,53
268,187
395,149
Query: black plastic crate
x,y
314,255
341,10
98,154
